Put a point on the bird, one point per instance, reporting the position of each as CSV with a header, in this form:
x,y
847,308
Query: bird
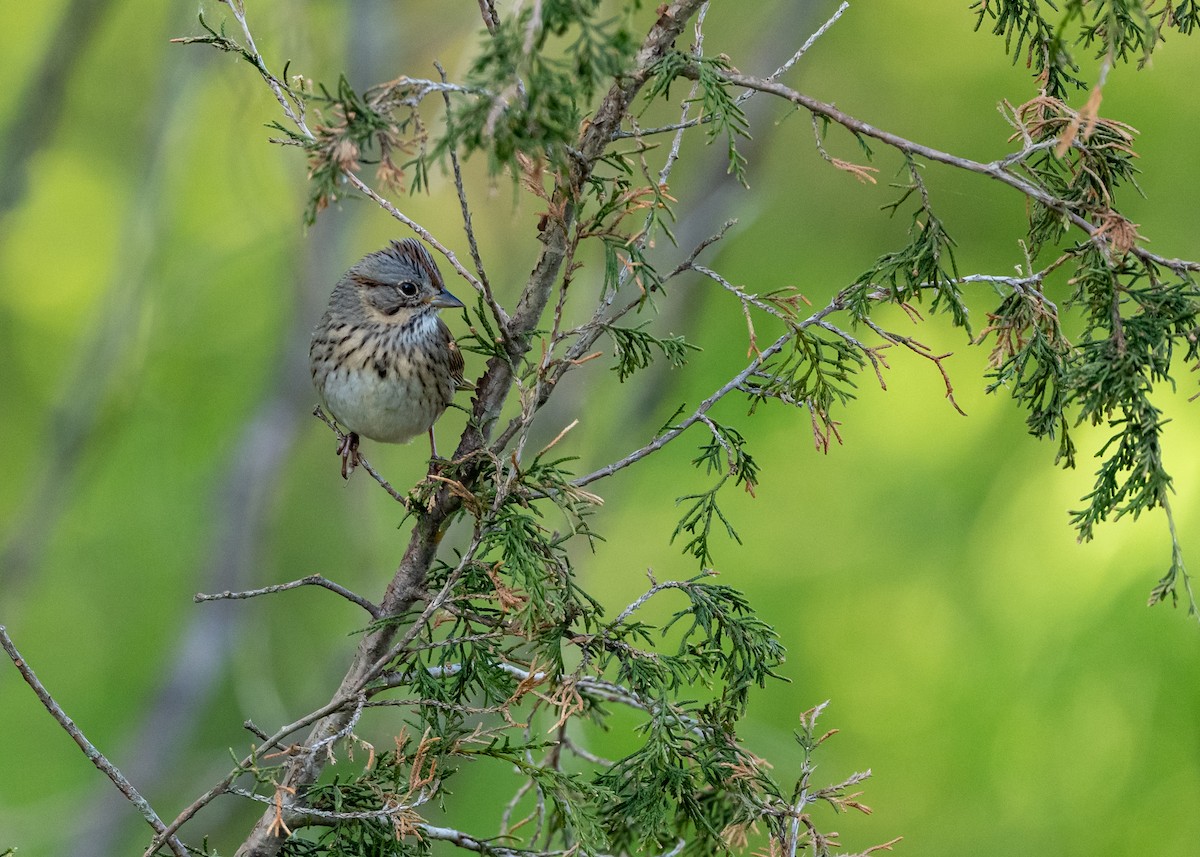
x,y
384,363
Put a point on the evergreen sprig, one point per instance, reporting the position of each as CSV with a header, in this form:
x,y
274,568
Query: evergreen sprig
x,y
925,265
1085,174
1136,322
1040,33
728,641
625,259
687,782
1181,15
1030,360
1116,29
723,453
614,191
1137,326
1030,35
355,128
1176,577
719,108
815,371
570,56
635,347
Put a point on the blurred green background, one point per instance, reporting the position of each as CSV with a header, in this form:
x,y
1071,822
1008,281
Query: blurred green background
x,y
1006,685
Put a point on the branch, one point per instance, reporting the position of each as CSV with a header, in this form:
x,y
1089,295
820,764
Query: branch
x,y
426,236
818,319
587,334
485,287
320,414
293,109
998,169
97,758
377,648
699,414
654,589
686,123
311,580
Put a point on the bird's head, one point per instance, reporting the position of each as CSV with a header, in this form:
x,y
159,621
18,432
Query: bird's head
x,y
400,281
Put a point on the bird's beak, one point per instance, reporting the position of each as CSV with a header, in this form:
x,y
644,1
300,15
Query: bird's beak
x,y
445,300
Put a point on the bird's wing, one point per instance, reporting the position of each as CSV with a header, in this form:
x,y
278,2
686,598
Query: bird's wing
x,y
457,366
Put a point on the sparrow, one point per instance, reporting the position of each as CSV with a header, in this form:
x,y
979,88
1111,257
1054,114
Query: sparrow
x,y
384,364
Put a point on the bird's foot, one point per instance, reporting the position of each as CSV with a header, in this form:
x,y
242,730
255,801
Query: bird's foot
x,y
436,462
348,450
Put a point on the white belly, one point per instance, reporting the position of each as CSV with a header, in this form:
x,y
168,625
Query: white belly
x,y
369,379
392,409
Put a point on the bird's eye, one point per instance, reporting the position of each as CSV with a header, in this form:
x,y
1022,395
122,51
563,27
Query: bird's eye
x,y
409,290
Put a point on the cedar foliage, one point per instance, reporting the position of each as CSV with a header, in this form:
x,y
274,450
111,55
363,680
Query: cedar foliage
x,y
501,656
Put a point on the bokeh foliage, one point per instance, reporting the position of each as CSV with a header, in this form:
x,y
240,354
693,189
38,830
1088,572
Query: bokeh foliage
x,y
923,574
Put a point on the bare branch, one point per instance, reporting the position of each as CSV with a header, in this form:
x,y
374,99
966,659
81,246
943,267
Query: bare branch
x,y
686,123
804,48
487,8
320,414
734,383
646,596
426,236
998,170
311,580
486,287
95,756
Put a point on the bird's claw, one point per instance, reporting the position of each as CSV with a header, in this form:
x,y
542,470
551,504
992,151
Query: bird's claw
x,y
348,450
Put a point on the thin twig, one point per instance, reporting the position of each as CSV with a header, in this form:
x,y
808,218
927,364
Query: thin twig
x,y
646,596
743,296
685,123
296,115
225,785
360,701
89,749
1177,561
994,169
432,606
921,350
733,384
427,236
677,141
587,334
804,48
676,430
486,287
311,580
320,414
293,112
